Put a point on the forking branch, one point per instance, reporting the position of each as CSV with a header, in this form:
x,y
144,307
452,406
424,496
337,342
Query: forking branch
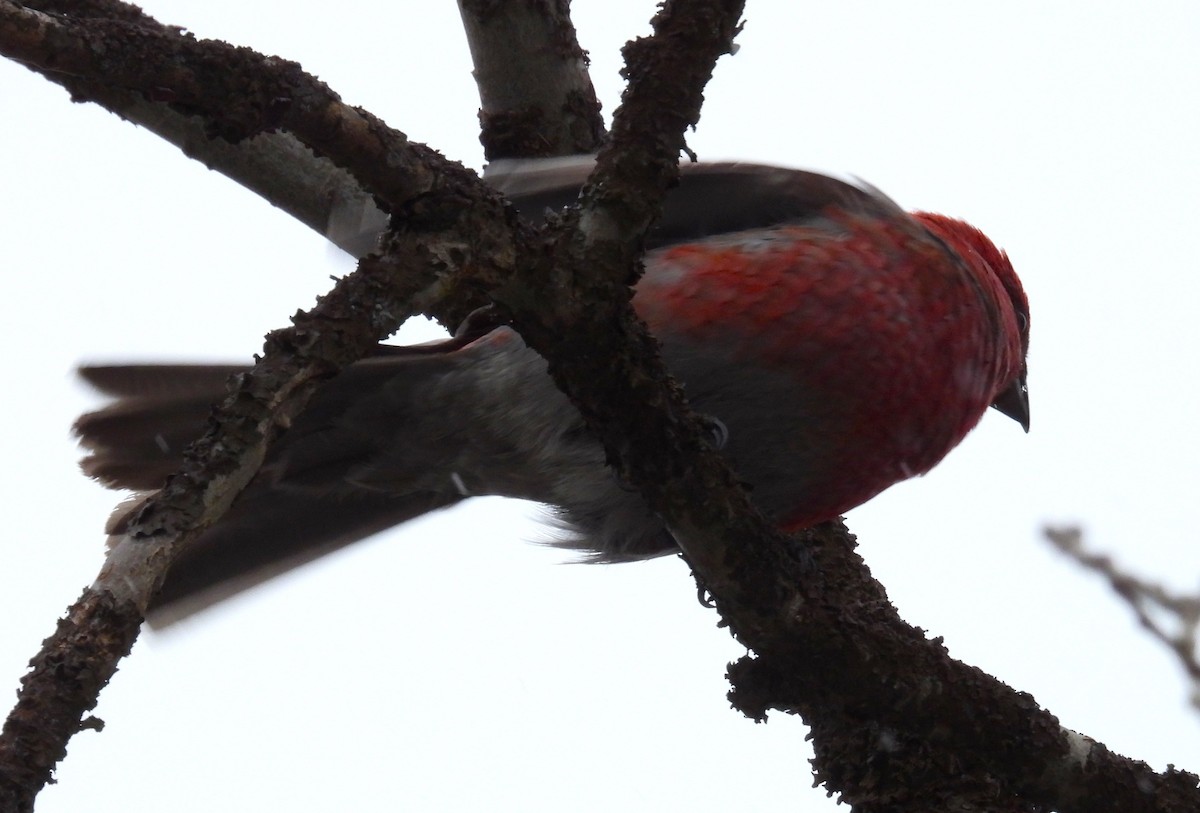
x,y
788,607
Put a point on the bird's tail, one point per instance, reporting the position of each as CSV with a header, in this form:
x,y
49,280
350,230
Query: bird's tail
x,y
138,440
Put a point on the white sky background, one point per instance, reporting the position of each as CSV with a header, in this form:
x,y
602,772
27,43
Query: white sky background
x,y
454,666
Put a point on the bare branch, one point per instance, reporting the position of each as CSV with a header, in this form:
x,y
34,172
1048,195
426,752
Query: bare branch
x,y
274,165
362,309
897,724
828,644
1155,606
538,100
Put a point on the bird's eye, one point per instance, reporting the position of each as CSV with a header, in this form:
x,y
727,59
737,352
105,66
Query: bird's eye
x,y
1023,321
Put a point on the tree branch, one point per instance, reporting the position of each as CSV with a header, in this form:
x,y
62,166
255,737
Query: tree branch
x,y
1151,603
828,643
273,165
897,724
75,664
537,98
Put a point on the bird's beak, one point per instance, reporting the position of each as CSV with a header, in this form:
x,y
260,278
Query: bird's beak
x,y
1013,401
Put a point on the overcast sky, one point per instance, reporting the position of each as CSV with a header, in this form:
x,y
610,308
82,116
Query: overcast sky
x,y
453,665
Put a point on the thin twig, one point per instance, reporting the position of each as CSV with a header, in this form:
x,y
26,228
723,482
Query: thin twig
x,y
1152,603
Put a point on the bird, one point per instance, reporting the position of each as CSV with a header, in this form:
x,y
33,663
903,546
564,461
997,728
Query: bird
x,y
837,342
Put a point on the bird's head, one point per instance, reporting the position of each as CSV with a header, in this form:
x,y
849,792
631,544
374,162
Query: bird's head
x,y
992,268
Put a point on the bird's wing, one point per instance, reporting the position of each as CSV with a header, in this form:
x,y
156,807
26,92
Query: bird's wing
x,y
710,199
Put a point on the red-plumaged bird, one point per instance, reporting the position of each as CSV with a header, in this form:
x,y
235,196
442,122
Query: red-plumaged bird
x,y
842,344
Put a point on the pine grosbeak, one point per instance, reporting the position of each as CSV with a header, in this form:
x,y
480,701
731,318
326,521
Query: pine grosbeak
x,y
842,344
